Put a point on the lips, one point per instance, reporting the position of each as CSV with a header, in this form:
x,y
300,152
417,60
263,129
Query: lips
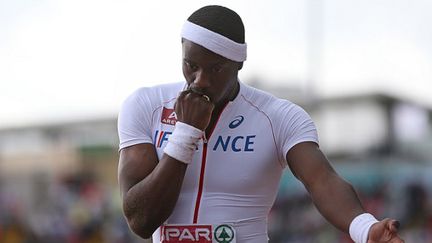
x,y
199,91
196,91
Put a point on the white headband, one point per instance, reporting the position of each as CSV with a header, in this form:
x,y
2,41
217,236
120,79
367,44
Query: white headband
x,y
215,42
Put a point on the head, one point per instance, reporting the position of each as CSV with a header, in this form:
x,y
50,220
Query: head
x,y
214,49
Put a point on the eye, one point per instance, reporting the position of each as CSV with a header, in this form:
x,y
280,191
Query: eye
x,y
217,68
191,66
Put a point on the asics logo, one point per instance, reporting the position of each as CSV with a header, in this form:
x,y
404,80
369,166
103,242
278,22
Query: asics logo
x,y
236,122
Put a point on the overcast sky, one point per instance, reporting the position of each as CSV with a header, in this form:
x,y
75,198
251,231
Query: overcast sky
x,y
62,60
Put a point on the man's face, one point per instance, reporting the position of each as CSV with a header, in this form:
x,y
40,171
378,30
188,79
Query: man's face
x,y
209,73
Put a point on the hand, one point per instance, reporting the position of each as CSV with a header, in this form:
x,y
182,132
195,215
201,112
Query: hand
x,y
385,231
193,109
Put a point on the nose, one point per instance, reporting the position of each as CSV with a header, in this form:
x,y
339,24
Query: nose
x,y
202,80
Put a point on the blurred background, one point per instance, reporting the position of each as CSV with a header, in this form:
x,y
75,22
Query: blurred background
x,y
362,69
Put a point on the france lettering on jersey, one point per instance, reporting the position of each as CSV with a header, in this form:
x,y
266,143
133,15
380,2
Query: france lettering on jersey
x,y
234,177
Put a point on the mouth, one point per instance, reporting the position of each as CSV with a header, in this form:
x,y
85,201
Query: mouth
x,y
199,92
196,91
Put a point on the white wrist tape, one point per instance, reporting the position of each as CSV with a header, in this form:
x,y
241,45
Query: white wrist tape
x,y
182,143
360,226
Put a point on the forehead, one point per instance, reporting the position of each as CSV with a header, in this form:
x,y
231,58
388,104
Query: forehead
x,y
196,53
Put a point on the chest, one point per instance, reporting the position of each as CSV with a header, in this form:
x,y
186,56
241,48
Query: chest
x,y
240,150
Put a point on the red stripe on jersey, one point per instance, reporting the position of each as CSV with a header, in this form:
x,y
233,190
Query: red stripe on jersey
x,y
202,172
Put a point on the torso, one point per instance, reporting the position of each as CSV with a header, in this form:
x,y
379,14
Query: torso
x,y
234,176
235,180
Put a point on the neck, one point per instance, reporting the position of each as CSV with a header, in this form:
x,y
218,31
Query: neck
x,y
221,105
230,97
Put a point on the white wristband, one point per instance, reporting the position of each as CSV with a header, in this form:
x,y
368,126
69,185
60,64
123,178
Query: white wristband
x,y
360,226
182,143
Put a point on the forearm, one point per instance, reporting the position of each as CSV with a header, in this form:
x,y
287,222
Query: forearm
x,y
336,200
150,195
151,201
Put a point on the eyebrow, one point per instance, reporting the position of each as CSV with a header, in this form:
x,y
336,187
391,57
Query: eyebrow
x,y
221,63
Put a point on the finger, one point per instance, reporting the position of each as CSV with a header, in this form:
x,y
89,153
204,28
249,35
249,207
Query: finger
x,y
180,97
397,240
394,225
202,95
206,98
196,91
199,97
183,93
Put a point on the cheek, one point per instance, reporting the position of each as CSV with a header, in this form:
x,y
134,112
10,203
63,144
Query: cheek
x,y
184,69
187,75
224,86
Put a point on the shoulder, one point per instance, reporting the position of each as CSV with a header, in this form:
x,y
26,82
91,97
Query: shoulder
x,y
268,103
154,95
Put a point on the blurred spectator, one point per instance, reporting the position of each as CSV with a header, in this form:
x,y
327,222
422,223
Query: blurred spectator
x,y
418,214
76,209
80,208
284,226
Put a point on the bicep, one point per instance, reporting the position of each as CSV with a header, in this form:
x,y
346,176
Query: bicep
x,y
136,163
309,164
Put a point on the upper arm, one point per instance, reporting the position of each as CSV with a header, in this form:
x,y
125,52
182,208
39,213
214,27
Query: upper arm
x,y
136,162
293,126
309,164
138,155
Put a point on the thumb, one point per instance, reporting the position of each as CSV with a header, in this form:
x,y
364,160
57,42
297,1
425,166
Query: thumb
x,y
393,225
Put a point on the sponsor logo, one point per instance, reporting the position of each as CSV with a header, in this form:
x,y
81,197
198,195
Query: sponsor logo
x,y
224,234
236,122
168,116
235,144
161,138
187,233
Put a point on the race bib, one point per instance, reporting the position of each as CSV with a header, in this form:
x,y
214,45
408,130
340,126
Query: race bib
x,y
198,233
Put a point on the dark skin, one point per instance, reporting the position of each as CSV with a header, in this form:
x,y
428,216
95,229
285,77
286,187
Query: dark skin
x,y
150,187
334,197
210,74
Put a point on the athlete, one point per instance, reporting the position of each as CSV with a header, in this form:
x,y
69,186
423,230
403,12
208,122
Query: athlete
x,y
201,160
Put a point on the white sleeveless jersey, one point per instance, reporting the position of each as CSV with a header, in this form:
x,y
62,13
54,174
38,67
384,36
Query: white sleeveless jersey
x,y
234,177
